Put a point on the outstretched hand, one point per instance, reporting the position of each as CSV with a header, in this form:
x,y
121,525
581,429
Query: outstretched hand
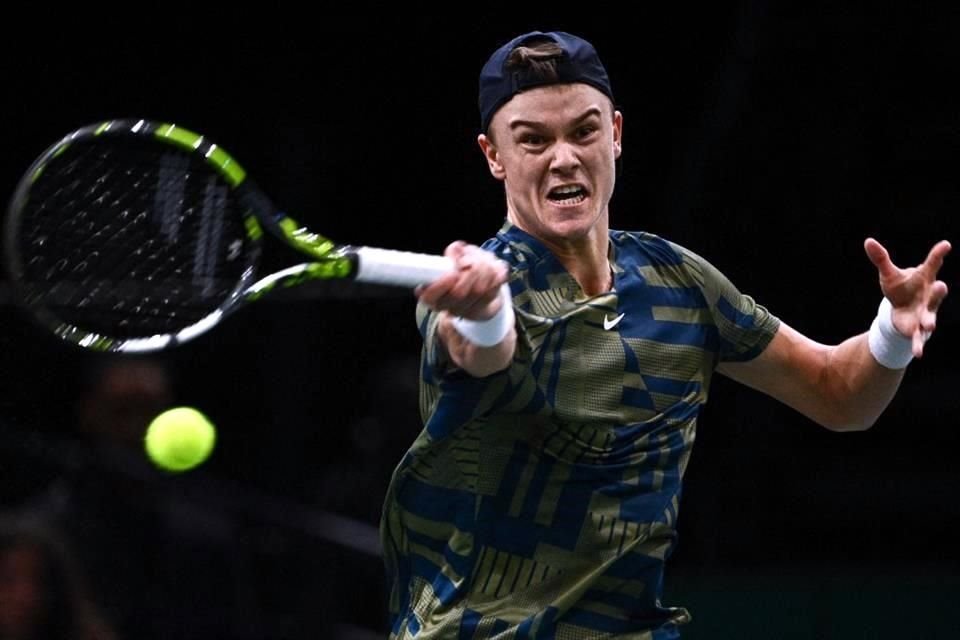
x,y
914,292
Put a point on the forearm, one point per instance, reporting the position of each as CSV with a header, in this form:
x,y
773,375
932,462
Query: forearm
x,y
848,386
841,387
857,387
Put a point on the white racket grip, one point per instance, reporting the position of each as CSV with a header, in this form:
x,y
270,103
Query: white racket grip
x,y
400,268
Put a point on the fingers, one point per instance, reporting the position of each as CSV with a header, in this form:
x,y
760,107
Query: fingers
x,y
432,293
915,292
935,258
938,291
928,317
927,323
880,258
455,250
471,291
918,340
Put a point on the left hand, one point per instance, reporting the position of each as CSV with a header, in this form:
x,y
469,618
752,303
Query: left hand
x,y
914,292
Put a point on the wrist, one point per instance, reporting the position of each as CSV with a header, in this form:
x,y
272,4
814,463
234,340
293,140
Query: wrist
x,y
490,332
888,346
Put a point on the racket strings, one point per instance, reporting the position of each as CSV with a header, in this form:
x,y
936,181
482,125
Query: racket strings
x,y
131,239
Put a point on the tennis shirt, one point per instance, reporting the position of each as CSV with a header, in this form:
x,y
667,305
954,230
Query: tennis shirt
x,y
541,501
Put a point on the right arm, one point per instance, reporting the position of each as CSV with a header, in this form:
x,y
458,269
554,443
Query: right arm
x,y
471,291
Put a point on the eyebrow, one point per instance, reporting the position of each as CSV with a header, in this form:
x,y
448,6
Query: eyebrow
x,y
592,111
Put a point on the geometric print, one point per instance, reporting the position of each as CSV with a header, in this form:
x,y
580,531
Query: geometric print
x,y
541,501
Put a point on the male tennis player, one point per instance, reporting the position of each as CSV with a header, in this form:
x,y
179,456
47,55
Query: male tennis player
x,y
560,408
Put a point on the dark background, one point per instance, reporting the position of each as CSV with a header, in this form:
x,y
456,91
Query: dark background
x,y
772,138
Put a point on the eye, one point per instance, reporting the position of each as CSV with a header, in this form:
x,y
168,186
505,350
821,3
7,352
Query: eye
x,y
532,139
586,131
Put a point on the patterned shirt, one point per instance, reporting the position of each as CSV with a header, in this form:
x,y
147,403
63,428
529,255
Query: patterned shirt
x,y
541,501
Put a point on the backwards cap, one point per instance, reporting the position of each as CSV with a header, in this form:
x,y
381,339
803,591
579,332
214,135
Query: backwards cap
x,y
578,62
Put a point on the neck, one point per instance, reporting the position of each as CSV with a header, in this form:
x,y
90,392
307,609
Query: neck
x,y
586,261
593,275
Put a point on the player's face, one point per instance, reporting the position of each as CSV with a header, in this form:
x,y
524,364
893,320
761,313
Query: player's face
x,y
555,147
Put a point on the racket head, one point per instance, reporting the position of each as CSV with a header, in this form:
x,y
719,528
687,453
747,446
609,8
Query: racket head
x,y
131,235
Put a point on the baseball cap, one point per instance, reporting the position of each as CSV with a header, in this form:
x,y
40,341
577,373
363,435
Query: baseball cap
x,y
579,62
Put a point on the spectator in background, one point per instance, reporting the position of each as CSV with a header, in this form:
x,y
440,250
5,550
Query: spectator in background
x,y
162,565
119,398
353,485
43,595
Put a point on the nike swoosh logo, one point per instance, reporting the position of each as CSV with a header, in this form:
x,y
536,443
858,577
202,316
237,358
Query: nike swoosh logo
x,y
610,324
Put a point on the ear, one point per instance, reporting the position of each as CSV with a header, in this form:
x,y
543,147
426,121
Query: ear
x,y
617,134
493,157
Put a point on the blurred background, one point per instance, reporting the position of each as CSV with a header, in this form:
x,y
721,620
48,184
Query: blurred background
x,y
772,138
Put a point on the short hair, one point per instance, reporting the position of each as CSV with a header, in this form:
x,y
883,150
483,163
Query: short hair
x,y
539,60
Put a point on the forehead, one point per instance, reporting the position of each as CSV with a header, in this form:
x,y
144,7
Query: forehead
x,y
552,105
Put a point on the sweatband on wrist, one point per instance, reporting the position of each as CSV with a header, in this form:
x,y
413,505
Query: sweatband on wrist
x,y
889,347
490,332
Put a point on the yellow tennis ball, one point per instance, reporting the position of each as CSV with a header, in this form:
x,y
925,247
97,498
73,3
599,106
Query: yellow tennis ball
x,y
180,439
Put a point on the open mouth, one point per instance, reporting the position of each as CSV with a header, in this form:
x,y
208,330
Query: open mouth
x,y
567,195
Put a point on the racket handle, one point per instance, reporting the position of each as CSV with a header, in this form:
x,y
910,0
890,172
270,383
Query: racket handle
x,y
400,268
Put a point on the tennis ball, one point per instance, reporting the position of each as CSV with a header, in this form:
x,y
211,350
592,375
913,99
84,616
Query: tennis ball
x,y
179,439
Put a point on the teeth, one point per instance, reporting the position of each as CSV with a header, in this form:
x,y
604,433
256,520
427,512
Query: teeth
x,y
567,194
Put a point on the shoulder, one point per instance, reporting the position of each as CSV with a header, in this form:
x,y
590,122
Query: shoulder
x,y
498,245
654,249
515,253
666,263
653,254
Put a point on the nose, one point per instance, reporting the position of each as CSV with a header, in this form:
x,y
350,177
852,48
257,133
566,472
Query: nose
x,y
565,158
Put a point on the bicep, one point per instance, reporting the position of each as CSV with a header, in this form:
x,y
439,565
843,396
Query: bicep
x,y
792,369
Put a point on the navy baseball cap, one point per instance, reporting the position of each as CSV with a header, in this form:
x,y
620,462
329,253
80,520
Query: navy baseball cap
x,y
579,62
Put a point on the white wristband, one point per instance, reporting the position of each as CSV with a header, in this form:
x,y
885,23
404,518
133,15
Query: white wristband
x,y
487,333
889,347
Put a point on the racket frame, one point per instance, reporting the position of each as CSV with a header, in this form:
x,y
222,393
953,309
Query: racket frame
x,y
329,260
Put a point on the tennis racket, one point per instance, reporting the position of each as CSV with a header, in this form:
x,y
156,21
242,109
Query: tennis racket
x,y
137,236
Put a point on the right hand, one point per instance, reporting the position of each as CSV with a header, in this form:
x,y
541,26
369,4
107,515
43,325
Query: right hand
x,y
472,289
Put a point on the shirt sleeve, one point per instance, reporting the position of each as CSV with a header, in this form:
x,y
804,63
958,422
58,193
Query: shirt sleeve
x,y
744,327
434,354
449,396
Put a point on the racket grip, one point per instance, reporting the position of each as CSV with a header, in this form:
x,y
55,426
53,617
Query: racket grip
x,y
399,268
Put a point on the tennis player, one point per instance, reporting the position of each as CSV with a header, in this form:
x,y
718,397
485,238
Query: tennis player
x,y
564,367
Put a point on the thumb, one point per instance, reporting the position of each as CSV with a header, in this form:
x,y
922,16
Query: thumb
x,y
880,258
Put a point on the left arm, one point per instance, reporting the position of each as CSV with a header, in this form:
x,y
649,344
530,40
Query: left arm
x,y
843,387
